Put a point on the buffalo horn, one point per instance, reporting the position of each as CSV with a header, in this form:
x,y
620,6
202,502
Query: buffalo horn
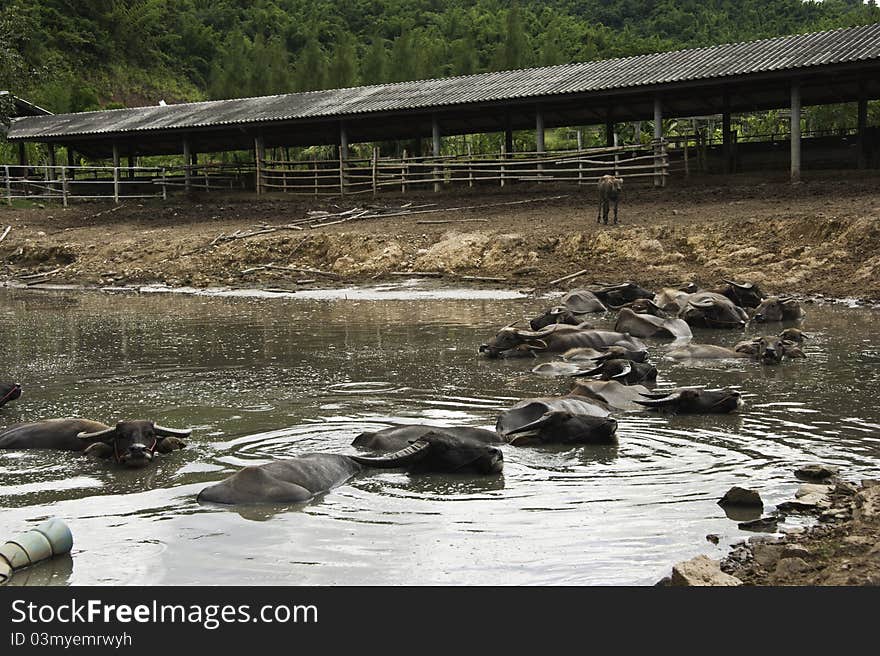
x,y
744,285
171,432
626,370
657,402
402,458
703,303
97,435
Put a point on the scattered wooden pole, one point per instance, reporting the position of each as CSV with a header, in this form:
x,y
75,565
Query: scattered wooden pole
x,y
568,277
5,232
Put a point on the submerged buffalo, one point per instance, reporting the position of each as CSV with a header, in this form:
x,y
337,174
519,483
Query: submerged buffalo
x,y
744,294
704,352
297,480
617,295
779,308
558,338
711,310
684,400
557,420
610,353
399,437
770,350
623,371
648,325
129,443
9,392
572,309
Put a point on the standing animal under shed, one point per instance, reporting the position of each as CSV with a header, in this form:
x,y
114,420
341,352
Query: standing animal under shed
x,y
609,191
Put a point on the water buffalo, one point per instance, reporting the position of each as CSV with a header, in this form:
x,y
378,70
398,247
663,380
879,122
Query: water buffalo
x,y
744,294
704,352
778,308
672,301
129,443
561,427
769,350
610,353
9,392
795,335
692,400
297,480
648,325
623,371
617,295
610,187
557,338
647,306
399,437
711,310
684,400
572,309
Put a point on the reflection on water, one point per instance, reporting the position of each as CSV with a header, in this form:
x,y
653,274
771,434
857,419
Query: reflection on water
x,y
265,378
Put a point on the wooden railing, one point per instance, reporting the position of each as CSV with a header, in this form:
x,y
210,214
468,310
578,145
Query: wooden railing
x,y
649,162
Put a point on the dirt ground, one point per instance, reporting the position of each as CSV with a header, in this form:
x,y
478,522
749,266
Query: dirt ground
x,y
819,237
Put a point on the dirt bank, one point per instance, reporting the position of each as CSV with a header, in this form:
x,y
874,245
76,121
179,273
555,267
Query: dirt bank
x,y
820,237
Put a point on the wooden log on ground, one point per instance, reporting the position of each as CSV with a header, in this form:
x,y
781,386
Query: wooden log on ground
x,y
568,277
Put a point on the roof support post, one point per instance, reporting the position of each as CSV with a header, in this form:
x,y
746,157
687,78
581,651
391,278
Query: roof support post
x,y
130,163
71,162
539,130
187,157
22,157
863,127
658,145
435,138
609,133
52,160
508,132
259,155
116,172
726,145
795,132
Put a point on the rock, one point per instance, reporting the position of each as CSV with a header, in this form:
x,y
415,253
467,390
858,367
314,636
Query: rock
x,y
816,472
713,538
809,489
767,555
796,551
740,496
870,482
790,566
701,571
867,507
845,488
768,523
859,540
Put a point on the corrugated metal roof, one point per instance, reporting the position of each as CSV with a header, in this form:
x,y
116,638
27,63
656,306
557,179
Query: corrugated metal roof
x,y
776,54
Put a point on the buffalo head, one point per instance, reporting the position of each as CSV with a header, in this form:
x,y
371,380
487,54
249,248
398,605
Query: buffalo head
x,y
691,400
9,392
561,427
512,341
713,311
778,308
744,294
617,295
770,350
133,443
441,453
557,314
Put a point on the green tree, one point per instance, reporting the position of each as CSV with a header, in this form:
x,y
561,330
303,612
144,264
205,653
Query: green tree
x,y
513,51
311,67
342,71
375,64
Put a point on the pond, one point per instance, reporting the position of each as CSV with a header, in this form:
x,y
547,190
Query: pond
x,y
265,378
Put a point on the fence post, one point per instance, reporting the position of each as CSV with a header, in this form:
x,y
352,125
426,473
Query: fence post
x,y
116,184
375,171
503,150
470,166
404,172
8,185
315,164
164,186
64,186
341,172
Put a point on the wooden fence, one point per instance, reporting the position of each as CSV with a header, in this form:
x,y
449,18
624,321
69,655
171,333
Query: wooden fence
x,y
377,174
650,163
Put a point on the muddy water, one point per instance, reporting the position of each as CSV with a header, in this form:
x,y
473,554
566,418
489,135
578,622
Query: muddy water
x,y
260,378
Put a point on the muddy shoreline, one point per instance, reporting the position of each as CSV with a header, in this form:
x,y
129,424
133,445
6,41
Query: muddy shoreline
x,y
818,238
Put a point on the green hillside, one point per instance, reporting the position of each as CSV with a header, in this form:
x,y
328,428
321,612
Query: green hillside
x,y
72,56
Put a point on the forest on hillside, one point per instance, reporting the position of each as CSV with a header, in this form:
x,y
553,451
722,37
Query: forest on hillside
x,y
68,55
